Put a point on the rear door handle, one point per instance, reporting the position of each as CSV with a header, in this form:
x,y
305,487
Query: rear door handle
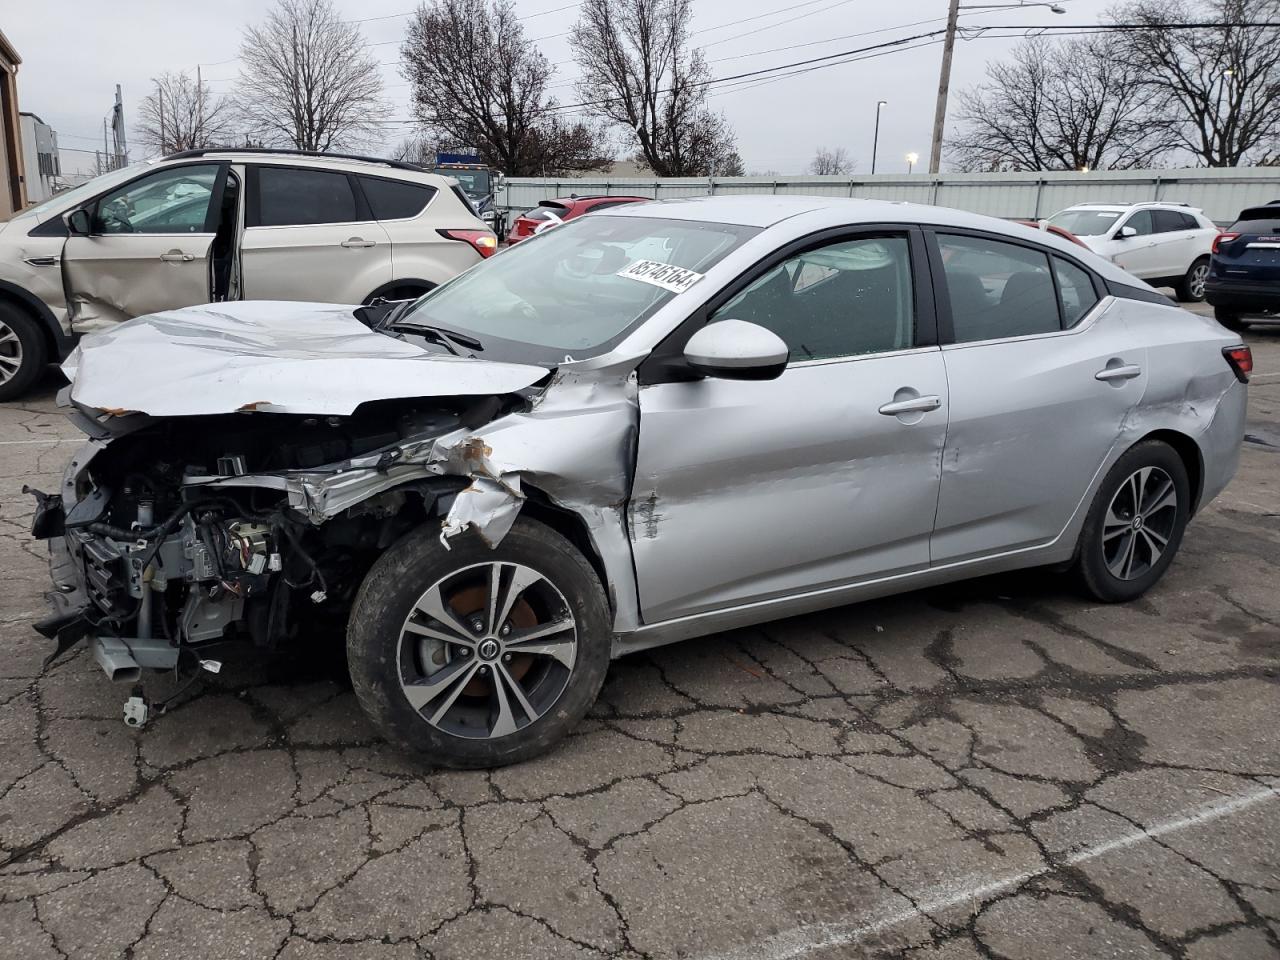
x,y
914,405
1124,372
358,242
176,256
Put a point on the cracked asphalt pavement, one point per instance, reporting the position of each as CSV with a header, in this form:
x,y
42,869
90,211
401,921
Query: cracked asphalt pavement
x,y
993,769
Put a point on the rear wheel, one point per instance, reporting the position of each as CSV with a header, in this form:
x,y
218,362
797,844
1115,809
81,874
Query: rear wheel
x,y
1135,524
23,352
479,657
1191,287
1229,318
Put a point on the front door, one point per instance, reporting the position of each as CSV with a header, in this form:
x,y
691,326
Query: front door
x,y
1142,254
748,490
309,235
1042,380
148,250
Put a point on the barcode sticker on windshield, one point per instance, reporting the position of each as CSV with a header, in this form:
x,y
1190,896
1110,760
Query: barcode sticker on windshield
x,y
665,275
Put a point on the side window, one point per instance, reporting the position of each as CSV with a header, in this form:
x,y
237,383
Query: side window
x,y
1075,291
395,199
1189,222
842,300
175,200
1141,221
1169,221
996,289
290,197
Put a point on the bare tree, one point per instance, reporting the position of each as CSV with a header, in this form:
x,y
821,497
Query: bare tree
x,y
639,73
308,80
1222,82
181,115
826,162
478,81
1078,104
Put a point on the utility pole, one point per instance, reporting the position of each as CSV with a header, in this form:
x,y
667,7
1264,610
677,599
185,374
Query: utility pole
x,y
875,141
944,87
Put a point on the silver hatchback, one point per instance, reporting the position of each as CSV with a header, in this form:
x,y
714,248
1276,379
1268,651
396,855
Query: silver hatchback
x,y
654,423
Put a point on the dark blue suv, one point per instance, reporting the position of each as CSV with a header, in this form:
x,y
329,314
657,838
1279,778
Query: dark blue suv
x,y
1244,272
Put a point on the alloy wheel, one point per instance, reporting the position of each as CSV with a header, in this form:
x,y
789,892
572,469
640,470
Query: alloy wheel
x,y
10,353
1139,522
487,650
1195,283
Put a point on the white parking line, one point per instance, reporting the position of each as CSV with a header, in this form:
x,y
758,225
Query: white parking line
x,y
16,443
802,941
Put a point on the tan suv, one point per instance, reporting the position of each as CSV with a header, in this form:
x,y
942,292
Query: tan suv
x,y
205,226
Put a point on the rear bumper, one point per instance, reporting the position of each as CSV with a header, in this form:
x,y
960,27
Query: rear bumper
x,y
1242,295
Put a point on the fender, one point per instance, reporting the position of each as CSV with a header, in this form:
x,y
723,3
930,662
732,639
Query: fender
x,y
59,341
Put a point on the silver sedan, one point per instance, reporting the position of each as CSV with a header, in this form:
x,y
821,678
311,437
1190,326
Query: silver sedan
x,y
656,422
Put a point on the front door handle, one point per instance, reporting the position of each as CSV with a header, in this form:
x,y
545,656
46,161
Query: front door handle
x,y
357,242
914,405
1125,371
176,256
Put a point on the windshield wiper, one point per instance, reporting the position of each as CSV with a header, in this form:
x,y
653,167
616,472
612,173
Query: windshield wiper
x,y
446,338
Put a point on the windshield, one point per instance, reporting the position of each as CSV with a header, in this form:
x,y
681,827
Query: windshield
x,y
1086,223
474,182
77,195
577,290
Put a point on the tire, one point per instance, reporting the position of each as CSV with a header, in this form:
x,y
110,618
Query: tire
x,y
1229,319
24,353
1190,288
1113,536
469,713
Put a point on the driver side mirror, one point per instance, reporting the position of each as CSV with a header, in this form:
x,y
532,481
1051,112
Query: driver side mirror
x,y
1124,233
79,223
737,350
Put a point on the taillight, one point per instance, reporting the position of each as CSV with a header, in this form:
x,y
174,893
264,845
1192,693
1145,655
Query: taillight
x,y
1240,360
1222,238
482,241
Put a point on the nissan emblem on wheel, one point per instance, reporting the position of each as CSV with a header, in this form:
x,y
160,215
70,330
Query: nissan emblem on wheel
x,y
646,425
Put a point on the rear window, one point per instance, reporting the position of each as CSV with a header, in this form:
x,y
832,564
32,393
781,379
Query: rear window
x,y
544,213
395,199
1270,226
291,196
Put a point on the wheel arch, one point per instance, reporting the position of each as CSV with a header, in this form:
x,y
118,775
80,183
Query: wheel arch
x,y
537,506
1189,453
58,342
402,283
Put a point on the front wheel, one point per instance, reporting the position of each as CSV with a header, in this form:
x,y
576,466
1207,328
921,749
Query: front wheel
x,y
479,657
1191,287
1135,524
23,353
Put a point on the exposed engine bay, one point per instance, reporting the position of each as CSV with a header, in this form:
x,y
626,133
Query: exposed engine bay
x,y
174,560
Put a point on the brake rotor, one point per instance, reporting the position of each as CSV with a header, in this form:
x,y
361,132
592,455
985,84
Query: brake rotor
x,y
471,601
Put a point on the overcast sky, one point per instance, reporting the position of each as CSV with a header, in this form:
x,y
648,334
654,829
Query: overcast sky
x,y
72,62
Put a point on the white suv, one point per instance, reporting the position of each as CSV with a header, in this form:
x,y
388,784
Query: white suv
x,y
205,226
1165,244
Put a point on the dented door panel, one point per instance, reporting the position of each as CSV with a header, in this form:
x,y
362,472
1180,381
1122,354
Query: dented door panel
x,y
1031,427
795,484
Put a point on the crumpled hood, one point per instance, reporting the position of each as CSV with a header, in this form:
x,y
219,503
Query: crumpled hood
x,y
273,356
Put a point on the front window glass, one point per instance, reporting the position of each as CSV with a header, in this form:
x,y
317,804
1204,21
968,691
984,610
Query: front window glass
x,y
841,300
564,292
68,199
1075,291
1086,223
174,200
474,182
1142,223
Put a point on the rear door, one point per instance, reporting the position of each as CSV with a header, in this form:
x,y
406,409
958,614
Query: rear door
x,y
149,247
1177,240
309,235
750,490
1040,384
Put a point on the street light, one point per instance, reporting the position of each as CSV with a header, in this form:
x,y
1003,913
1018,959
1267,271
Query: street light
x,y
912,157
875,141
944,80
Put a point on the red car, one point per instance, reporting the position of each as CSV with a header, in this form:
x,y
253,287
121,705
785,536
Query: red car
x,y
548,213
1064,234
